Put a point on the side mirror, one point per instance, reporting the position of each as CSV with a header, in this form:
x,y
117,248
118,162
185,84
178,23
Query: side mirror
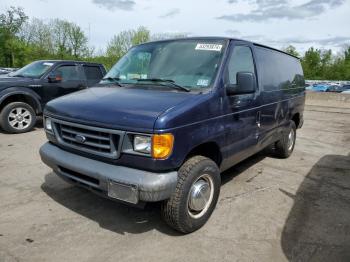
x,y
54,77
245,84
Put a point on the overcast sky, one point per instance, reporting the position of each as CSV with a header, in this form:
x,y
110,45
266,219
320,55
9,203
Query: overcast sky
x,y
321,23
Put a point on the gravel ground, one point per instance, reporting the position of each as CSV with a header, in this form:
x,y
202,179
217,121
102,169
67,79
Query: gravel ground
x,y
269,209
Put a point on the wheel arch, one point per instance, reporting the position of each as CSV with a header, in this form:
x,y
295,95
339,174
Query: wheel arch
x,y
26,96
208,149
296,119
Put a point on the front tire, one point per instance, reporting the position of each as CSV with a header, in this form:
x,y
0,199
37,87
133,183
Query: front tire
x,y
195,196
285,146
17,117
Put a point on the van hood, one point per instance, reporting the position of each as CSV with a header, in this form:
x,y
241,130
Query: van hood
x,y
131,109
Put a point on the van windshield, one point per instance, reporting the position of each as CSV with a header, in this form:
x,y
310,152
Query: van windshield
x,y
188,63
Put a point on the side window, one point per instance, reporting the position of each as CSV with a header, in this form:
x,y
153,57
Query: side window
x,y
278,71
92,73
68,73
241,60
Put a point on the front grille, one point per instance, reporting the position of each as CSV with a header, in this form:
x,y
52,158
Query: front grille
x,y
98,141
95,140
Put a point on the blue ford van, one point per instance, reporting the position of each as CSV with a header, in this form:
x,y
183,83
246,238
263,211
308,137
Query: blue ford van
x,y
170,116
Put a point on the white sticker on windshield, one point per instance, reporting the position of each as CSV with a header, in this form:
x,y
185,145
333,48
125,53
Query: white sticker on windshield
x,y
209,47
48,64
202,82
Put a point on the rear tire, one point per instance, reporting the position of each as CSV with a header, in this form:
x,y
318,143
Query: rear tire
x,y
285,146
17,117
195,196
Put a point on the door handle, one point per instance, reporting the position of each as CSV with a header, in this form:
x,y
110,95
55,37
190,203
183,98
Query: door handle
x,y
258,117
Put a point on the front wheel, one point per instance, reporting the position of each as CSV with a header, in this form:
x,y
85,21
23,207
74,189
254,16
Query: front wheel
x,y
17,117
195,196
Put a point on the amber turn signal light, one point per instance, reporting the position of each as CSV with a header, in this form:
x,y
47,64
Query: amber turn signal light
x,y
162,145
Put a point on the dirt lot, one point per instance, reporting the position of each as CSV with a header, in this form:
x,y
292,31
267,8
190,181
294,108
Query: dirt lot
x,y
269,209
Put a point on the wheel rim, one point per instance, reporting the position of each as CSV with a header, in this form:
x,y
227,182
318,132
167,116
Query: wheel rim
x,y
291,138
200,196
19,118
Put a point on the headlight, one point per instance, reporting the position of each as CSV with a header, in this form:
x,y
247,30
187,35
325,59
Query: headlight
x,y
142,144
159,146
48,124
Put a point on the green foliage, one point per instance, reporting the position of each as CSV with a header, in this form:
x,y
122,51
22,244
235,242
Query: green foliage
x,y
312,63
291,50
122,42
323,65
12,49
23,41
347,54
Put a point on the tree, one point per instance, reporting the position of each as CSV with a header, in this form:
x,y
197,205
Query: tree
x,y
38,37
312,63
69,40
347,53
78,41
291,50
60,37
123,41
22,41
56,39
347,63
119,44
11,47
140,35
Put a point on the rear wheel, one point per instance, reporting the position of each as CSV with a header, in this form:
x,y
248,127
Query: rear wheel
x,y
285,146
195,197
17,117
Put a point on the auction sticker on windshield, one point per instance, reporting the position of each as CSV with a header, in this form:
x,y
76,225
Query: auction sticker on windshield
x,y
209,47
202,82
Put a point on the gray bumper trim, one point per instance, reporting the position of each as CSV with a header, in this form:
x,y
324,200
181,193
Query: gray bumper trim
x,y
152,186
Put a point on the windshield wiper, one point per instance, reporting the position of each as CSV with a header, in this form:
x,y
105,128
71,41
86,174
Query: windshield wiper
x,y
169,81
17,75
115,80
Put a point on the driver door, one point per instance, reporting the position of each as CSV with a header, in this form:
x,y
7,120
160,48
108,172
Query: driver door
x,y
243,121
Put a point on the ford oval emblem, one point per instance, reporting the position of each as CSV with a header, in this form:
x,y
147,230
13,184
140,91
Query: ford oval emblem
x,y
80,139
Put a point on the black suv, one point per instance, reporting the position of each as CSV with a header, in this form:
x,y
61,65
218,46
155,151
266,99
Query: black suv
x,y
24,93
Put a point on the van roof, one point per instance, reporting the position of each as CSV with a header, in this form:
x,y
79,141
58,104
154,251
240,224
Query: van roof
x,y
222,38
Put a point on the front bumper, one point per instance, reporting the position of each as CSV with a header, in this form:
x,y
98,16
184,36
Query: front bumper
x,y
98,176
